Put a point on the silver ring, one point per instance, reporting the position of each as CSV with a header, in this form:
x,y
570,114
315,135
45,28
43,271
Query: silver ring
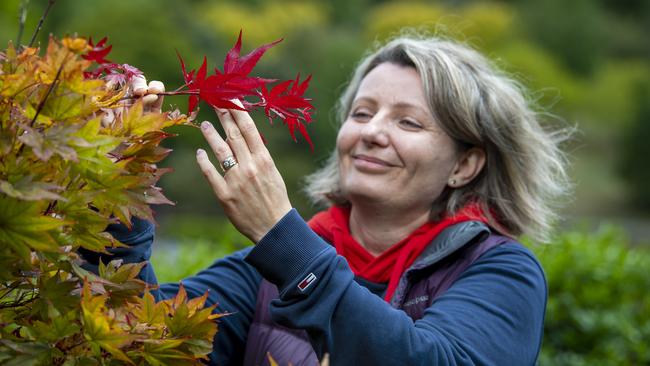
x,y
228,163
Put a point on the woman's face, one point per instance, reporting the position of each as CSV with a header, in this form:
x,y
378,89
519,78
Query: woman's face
x,y
391,150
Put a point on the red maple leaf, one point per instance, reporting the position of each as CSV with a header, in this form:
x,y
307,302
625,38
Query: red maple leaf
x,y
191,83
289,105
285,100
221,88
234,83
242,66
98,52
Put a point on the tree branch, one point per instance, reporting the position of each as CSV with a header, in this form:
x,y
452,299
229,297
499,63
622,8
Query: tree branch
x,y
40,22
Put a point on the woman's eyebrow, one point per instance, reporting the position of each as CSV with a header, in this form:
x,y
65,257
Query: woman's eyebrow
x,y
398,105
407,105
364,99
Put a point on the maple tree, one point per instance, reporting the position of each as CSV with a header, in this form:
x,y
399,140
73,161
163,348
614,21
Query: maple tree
x,y
65,175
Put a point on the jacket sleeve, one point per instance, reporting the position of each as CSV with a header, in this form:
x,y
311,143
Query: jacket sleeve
x,y
231,283
492,315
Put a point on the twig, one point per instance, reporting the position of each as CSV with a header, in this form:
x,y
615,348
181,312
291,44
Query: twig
x,y
49,90
20,301
40,22
10,289
176,92
22,17
41,104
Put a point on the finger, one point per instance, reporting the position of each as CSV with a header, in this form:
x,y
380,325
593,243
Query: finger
x,y
108,118
155,87
234,136
216,181
138,85
220,147
148,101
248,129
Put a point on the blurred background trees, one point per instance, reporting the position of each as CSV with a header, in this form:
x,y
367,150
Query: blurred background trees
x,y
587,63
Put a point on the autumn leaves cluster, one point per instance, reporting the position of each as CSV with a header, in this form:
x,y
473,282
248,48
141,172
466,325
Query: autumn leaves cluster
x,y
64,177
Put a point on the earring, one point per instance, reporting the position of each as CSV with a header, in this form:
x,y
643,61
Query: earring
x,y
452,182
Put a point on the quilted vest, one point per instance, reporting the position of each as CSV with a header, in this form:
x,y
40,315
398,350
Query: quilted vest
x,y
428,278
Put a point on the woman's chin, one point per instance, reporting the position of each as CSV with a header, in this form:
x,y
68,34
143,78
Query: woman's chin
x,y
366,194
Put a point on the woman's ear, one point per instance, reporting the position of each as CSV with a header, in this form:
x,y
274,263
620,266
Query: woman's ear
x,y
469,165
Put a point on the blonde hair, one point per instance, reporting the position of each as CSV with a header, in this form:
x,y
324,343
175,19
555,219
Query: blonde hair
x,y
477,105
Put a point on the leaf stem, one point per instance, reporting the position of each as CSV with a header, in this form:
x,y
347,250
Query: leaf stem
x,y
40,22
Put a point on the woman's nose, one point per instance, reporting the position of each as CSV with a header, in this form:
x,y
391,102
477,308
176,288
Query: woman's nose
x,y
375,131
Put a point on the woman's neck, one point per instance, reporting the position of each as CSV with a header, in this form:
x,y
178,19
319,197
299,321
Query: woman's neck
x,y
377,229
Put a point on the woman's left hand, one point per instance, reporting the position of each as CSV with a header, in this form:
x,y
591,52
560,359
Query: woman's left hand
x,y
252,192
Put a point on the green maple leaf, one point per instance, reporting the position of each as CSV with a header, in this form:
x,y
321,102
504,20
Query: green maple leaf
x,y
135,122
22,227
198,347
189,318
28,189
26,353
119,273
57,328
165,352
145,148
7,134
54,140
148,311
99,328
55,296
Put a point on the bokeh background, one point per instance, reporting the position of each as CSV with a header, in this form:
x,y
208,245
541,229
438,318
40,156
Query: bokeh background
x,y
586,62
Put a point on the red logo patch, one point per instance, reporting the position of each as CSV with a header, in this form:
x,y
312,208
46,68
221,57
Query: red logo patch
x,y
306,282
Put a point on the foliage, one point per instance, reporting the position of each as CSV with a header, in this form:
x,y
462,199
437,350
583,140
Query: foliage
x,y
598,309
65,174
580,73
263,21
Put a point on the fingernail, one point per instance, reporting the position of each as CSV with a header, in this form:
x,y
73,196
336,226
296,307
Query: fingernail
x,y
205,125
200,151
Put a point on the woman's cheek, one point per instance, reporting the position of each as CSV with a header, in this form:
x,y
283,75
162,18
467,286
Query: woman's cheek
x,y
345,138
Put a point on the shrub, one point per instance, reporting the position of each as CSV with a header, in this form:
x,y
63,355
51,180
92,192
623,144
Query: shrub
x,y
598,310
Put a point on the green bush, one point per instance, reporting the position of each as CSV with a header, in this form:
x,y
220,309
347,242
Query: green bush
x,y
598,310
174,263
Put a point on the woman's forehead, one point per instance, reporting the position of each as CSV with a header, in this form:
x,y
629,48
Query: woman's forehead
x,y
398,85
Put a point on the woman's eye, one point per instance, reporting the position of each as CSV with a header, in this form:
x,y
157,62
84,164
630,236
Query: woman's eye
x,y
410,124
360,115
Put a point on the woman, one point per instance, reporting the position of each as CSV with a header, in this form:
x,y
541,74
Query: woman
x,y
440,164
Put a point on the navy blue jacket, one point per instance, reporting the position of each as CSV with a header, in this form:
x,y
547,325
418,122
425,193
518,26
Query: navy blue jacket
x,y
492,315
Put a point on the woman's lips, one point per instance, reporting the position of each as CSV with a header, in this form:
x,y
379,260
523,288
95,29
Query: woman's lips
x,y
369,163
